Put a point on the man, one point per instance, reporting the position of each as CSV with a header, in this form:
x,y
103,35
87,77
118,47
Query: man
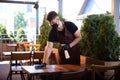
x,y
67,35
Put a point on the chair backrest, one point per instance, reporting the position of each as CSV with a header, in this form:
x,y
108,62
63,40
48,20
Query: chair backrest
x,y
20,55
76,75
18,58
11,47
100,69
20,46
38,55
28,46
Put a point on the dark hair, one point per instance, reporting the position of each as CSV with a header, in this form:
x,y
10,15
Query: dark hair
x,y
51,15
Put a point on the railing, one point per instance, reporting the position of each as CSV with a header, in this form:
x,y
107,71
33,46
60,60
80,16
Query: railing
x,y
0,48
5,39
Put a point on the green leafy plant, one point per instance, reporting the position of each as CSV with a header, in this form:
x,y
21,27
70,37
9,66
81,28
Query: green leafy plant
x,y
20,37
99,37
12,37
3,34
44,30
3,29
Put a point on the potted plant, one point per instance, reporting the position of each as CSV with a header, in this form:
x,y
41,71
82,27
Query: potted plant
x,y
44,30
100,40
99,37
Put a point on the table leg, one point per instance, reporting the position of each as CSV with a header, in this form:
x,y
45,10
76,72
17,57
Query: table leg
x,y
16,63
29,77
15,48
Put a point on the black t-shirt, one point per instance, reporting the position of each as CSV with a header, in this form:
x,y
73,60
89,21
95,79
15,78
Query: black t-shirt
x,y
53,33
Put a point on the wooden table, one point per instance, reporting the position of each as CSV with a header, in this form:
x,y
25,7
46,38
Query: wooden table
x,y
31,71
9,53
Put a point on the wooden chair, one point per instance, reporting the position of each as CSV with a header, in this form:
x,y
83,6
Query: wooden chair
x,y
35,46
52,76
98,70
38,57
76,75
15,64
20,46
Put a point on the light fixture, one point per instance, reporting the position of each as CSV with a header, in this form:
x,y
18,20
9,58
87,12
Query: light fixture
x,y
36,6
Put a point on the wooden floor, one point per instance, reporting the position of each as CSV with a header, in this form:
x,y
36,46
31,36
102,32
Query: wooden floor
x,y
4,70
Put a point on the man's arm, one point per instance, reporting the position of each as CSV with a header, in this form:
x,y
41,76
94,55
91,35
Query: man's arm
x,y
76,40
47,51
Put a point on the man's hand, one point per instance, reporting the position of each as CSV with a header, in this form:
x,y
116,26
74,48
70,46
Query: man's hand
x,y
66,47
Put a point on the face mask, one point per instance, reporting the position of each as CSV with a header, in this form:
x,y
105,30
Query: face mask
x,y
55,26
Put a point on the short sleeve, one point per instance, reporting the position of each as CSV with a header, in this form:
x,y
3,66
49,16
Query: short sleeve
x,y
71,27
52,37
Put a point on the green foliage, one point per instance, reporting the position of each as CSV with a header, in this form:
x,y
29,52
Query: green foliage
x,y
99,37
3,29
12,37
19,20
44,30
3,33
21,35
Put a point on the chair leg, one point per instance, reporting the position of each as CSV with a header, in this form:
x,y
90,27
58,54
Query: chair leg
x,y
29,77
22,75
33,77
93,75
8,76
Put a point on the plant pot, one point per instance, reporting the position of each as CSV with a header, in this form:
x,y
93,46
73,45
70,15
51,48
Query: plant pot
x,y
111,72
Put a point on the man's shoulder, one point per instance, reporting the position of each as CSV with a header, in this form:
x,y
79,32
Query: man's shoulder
x,y
68,22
